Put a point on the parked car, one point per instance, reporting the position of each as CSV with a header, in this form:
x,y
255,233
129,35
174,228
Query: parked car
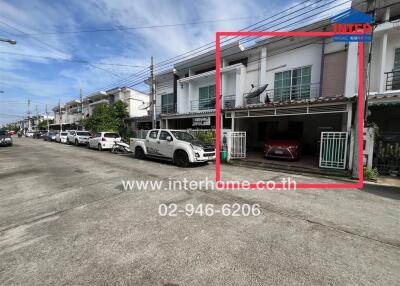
x,y
177,146
103,140
29,134
61,137
283,145
78,137
39,134
50,136
5,138
12,132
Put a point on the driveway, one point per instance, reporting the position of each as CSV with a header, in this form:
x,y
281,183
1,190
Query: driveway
x,y
65,219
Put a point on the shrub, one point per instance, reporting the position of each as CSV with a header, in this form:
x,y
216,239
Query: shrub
x,y
371,174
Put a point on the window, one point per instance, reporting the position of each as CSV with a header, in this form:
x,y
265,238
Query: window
x,y
207,97
83,133
167,103
111,135
164,135
293,84
153,134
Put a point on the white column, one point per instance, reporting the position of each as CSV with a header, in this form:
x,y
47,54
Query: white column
x,y
383,55
263,66
383,63
351,70
233,121
223,83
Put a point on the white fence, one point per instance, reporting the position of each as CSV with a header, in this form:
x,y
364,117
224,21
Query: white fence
x,y
333,150
236,145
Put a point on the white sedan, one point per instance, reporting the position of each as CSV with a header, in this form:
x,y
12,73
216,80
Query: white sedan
x,y
61,137
103,140
78,137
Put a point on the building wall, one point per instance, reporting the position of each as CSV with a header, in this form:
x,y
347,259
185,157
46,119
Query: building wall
x,y
305,56
334,75
376,62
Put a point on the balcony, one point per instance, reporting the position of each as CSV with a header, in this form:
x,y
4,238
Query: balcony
x,y
283,94
202,105
229,101
392,80
166,108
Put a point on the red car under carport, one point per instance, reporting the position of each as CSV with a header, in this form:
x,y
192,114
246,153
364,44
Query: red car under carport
x,y
283,145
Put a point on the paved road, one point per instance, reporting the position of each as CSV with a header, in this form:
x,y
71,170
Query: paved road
x,y
65,219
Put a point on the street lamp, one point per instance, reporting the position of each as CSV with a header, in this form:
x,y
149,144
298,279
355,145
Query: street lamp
x,y
12,42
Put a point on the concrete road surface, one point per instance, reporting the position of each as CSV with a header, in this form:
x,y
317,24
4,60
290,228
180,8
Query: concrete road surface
x,y
65,219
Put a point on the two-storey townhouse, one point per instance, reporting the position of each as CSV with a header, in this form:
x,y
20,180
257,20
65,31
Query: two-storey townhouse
x,y
277,85
384,84
74,111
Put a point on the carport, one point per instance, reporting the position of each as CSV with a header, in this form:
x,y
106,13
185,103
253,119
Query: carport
x,y
323,126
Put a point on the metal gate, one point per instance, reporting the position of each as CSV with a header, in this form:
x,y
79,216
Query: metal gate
x,y
387,154
237,145
333,150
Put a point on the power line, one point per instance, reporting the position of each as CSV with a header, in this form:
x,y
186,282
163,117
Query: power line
x,y
54,48
302,20
124,28
198,50
69,60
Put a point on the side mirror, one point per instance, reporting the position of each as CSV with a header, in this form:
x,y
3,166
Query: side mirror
x,y
169,138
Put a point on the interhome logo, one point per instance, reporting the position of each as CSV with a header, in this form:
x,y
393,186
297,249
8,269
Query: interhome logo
x,y
352,21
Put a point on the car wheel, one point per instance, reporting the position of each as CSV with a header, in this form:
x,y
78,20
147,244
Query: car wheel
x,y
181,159
76,142
88,145
139,153
68,142
99,147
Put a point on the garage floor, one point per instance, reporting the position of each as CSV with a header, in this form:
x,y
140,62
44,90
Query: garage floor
x,y
307,161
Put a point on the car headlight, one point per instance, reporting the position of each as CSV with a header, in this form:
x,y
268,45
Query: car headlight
x,y
293,147
197,148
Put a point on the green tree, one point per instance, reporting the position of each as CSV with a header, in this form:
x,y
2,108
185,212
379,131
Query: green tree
x,y
121,113
107,117
43,124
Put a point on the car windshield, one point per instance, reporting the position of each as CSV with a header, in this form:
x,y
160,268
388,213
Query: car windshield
x,y
63,133
83,133
283,136
181,135
111,135
2,132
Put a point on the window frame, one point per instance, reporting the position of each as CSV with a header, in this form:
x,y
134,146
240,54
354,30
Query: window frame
x,y
287,89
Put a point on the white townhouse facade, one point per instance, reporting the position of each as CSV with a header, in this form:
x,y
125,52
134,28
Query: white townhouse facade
x,y
384,87
285,84
74,111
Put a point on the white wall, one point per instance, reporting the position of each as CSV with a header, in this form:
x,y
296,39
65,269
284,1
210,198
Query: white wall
x,y
305,56
392,43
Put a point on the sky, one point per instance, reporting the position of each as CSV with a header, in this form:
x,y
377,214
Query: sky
x,y
92,61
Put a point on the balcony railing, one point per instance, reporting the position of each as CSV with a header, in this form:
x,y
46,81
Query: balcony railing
x,y
393,80
284,94
229,101
166,108
202,104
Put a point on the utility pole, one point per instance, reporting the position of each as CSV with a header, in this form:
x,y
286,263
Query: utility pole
x,y
37,117
60,114
29,115
81,98
47,119
153,96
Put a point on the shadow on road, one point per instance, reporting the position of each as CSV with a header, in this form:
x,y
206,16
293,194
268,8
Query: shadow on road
x,y
383,191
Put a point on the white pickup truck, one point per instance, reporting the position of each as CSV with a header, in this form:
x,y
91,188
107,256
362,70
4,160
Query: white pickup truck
x,y
177,146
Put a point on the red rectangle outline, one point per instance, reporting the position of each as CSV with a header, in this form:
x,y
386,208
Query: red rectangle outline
x,y
360,109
